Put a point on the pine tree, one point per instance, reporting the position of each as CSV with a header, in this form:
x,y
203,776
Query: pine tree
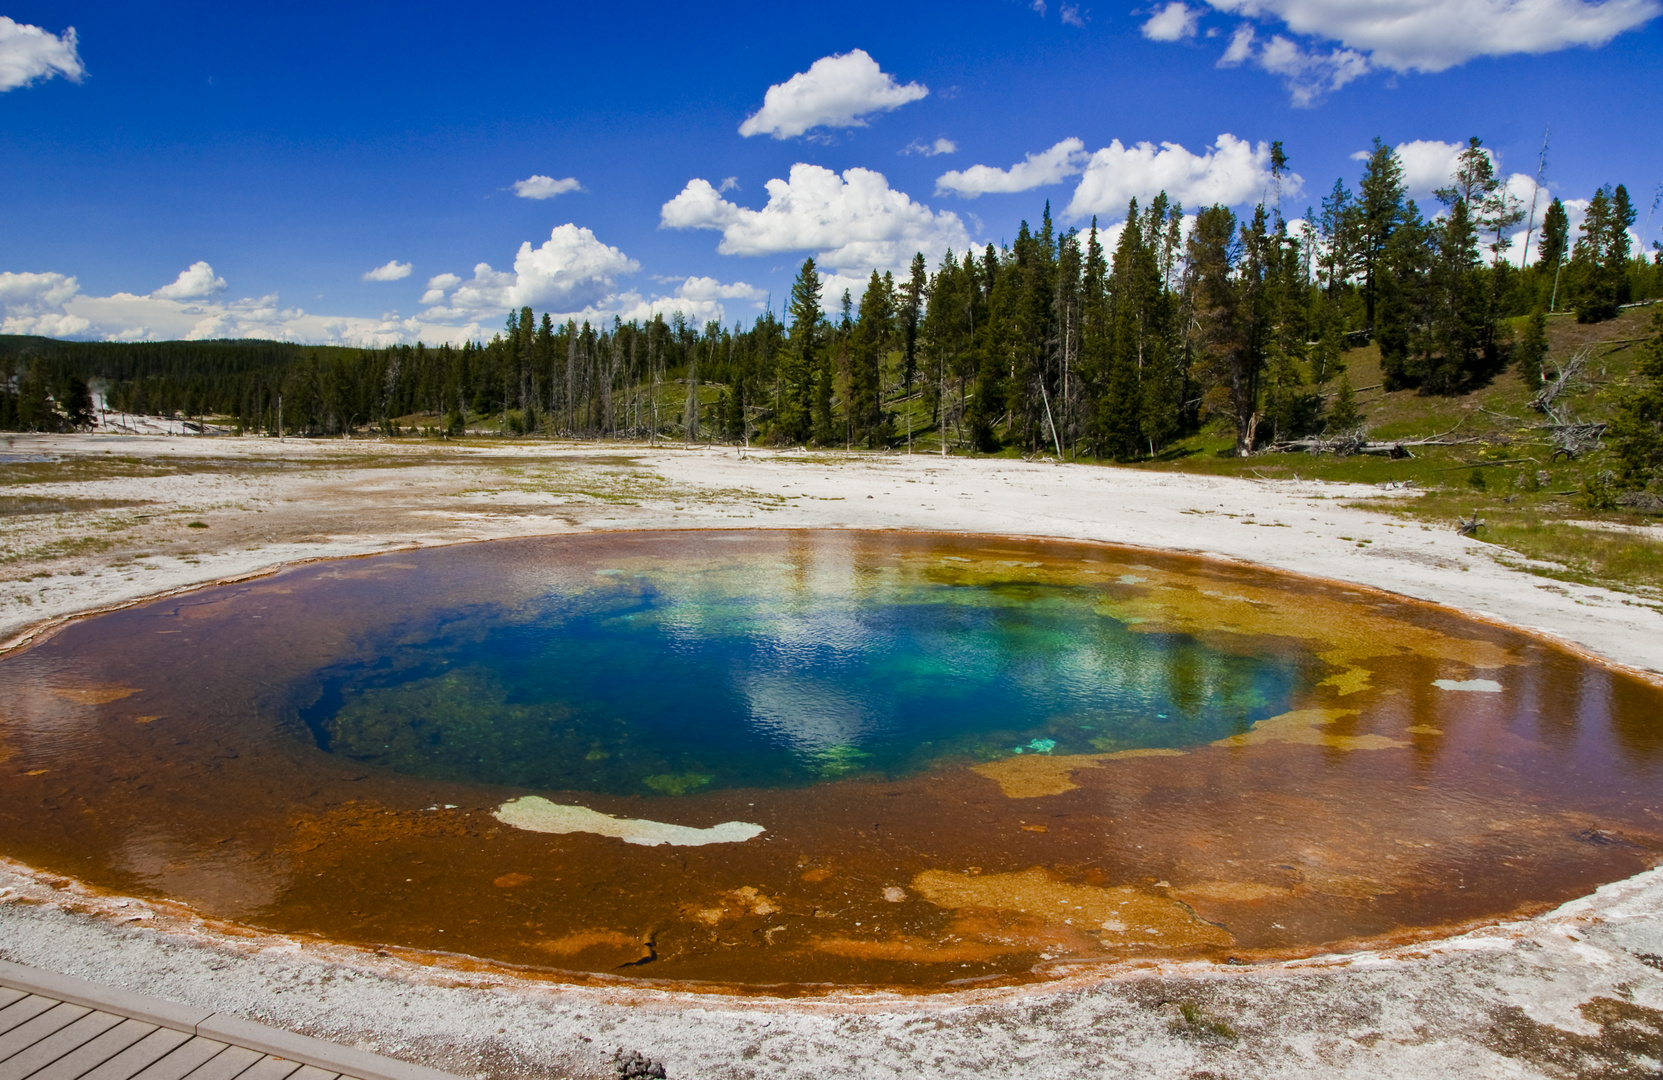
x,y
1225,286
76,399
1327,359
802,357
913,295
1552,248
1532,348
945,334
1290,406
36,411
1599,261
1403,311
1337,228
1636,432
1343,416
870,342
1555,237
1460,328
834,362
1059,380
1380,211
1120,408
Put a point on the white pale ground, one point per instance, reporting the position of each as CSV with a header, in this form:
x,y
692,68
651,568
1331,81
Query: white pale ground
x,y
1453,1007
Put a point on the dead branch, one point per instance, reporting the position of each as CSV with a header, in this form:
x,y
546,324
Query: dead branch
x,y
1561,382
1573,440
1486,464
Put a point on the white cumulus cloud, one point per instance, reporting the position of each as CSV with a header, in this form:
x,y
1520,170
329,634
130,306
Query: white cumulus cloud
x,y
1240,49
53,305
1427,163
569,273
700,299
573,274
197,282
1051,166
1310,74
836,91
1232,172
1434,35
34,304
931,149
854,222
392,270
28,53
437,286
1339,42
537,186
1173,22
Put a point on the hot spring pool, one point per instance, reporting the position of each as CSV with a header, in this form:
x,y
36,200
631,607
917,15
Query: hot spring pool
x,y
823,758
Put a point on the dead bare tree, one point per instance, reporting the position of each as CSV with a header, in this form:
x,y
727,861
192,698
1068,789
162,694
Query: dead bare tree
x,y
1566,377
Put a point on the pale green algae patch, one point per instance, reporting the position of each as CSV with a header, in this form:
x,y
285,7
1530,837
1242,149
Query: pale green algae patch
x,y
536,814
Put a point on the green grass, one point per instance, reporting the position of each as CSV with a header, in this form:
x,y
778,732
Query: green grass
x,y
1586,556
1503,469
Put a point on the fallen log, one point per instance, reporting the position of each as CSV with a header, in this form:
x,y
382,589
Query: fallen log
x,y
1396,448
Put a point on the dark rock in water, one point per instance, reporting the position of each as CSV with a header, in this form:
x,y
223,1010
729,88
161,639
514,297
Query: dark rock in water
x,y
637,1066
1604,838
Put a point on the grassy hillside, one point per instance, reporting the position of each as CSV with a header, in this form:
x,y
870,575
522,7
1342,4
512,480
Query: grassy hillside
x,y
1501,465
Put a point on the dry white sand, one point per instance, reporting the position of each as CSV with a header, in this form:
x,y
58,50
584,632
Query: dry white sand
x,y
1577,993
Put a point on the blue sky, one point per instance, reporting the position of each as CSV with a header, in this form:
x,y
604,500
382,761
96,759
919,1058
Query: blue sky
x,y
210,170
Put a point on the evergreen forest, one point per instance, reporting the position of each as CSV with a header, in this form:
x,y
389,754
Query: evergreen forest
x,y
1080,343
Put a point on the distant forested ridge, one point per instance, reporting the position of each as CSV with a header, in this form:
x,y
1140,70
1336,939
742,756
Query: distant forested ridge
x,y
1104,344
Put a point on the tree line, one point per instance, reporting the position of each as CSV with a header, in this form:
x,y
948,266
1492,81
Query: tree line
x,y
1052,343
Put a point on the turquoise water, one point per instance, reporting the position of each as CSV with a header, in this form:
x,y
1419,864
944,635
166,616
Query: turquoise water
x,y
659,683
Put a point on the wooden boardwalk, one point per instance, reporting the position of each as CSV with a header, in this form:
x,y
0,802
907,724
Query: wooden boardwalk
x,y
53,1027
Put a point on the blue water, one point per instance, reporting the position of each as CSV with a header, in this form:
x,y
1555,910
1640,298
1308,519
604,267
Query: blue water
x,y
649,684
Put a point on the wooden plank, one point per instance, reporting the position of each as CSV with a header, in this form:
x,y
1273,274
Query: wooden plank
x,y
79,1061
24,1011
182,1061
138,1057
150,1059
312,1072
228,1064
270,1068
27,1062
347,1060
113,999
55,1019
